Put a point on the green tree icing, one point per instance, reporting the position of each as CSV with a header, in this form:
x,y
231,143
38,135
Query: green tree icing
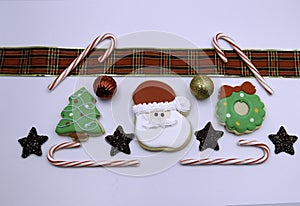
x,y
80,116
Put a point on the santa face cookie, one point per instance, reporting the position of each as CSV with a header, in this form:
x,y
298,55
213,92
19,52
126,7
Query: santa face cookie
x,y
240,109
159,122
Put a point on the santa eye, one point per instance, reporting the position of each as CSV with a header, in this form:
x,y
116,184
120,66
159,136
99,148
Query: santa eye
x,y
162,114
156,114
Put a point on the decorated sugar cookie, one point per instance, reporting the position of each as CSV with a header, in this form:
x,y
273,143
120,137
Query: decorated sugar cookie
x,y
32,143
208,137
119,141
283,142
159,121
240,109
80,117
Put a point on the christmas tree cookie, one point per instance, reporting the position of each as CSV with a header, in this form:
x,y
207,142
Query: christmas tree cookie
x,y
80,117
240,109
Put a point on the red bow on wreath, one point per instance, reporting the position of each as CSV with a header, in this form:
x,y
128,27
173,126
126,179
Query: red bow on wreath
x,y
226,91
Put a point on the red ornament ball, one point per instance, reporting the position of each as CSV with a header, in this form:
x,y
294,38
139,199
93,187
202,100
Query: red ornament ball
x,y
105,87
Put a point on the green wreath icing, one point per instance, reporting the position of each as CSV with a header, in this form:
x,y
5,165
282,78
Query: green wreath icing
x,y
80,115
241,123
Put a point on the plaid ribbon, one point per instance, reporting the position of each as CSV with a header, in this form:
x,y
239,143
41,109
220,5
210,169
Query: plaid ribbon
x,y
52,61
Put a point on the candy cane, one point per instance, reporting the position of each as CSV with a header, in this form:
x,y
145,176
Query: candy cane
x,y
88,163
233,161
256,73
85,52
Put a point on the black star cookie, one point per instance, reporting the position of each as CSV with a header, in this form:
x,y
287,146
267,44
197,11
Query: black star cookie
x,y
32,143
119,141
208,137
283,142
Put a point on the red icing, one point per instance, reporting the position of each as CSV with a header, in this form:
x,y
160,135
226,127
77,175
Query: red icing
x,y
153,91
226,90
67,123
75,101
81,114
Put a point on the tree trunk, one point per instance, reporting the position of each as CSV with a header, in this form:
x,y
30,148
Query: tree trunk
x,y
79,137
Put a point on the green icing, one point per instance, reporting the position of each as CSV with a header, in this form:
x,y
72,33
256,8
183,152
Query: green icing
x,y
241,123
80,115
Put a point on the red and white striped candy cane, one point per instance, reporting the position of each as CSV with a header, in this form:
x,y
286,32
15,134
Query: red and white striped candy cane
x,y
256,73
87,163
85,52
233,161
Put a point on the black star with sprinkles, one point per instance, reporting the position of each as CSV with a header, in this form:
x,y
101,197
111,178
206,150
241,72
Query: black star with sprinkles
x,y
283,142
119,141
32,143
208,137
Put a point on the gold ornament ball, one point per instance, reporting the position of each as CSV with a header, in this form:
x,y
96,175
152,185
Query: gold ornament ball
x,y
201,86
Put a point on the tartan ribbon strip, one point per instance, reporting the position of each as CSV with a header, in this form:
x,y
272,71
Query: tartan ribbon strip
x,y
143,61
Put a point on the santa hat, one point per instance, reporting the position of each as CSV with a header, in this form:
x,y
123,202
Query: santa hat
x,y
153,95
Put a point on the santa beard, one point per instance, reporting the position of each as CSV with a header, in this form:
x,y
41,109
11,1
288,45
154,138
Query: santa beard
x,y
162,131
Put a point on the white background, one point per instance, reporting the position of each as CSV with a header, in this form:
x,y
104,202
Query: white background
x,y
26,103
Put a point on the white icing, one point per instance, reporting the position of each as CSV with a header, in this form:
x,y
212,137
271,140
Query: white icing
x,y
89,124
158,119
251,119
167,123
228,115
180,103
71,114
173,136
242,95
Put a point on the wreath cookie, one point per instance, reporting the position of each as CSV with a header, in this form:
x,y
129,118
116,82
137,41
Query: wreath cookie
x,y
240,109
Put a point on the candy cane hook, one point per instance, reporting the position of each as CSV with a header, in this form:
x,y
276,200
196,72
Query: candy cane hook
x,y
221,54
87,163
85,52
233,161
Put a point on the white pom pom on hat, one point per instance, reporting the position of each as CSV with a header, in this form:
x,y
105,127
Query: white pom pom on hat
x,y
182,104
